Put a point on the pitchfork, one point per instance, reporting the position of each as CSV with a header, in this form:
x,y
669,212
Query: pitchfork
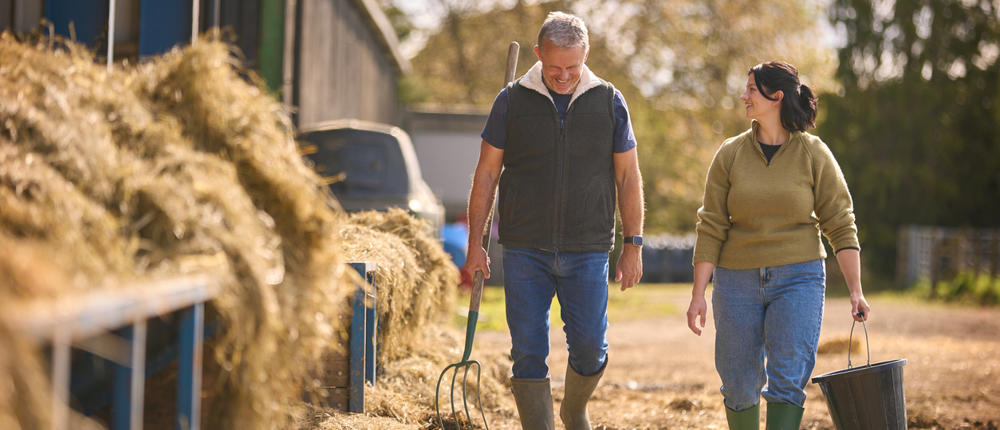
x,y
477,295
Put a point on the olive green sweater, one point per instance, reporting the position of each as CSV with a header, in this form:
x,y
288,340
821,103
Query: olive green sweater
x,y
760,214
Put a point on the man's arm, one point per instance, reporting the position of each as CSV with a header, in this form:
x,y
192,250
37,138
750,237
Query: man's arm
x,y
629,183
484,186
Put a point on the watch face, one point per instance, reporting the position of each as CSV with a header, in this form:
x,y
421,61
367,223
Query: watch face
x,y
635,240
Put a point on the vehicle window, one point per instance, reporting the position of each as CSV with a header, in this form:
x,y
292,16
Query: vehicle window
x,y
362,163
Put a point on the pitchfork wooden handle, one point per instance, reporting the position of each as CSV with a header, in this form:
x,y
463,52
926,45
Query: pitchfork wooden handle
x,y
512,52
477,283
477,292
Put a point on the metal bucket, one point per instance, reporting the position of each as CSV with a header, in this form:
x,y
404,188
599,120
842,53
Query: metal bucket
x,y
868,397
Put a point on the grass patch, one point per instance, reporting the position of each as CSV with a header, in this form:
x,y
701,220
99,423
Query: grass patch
x,y
643,301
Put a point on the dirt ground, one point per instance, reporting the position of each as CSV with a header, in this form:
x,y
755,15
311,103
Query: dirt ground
x,y
661,376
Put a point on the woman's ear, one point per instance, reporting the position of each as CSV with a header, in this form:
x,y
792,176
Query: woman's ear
x,y
779,95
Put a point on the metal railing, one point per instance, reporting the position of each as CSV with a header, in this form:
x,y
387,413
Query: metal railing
x,y
87,321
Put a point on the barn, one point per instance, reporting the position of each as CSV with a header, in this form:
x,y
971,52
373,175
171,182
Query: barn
x,y
328,59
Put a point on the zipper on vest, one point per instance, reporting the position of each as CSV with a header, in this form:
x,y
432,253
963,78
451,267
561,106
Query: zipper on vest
x,y
563,151
560,157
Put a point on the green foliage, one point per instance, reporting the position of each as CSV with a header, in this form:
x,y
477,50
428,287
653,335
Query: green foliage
x,y
401,23
916,127
967,287
681,66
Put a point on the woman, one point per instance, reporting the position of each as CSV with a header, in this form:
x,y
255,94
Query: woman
x,y
769,193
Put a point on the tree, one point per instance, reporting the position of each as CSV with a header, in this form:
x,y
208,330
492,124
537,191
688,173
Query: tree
x,y
916,125
681,66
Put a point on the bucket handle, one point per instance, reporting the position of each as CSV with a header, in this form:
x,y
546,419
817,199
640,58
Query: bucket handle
x,y
850,340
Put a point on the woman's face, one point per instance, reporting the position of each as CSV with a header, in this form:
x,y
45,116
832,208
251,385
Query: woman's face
x,y
757,106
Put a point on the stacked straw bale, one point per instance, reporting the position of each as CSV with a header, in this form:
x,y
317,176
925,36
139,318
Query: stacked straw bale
x,y
415,343
136,172
419,276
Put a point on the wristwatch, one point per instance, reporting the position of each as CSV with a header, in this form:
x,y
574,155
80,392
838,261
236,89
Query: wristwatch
x,y
634,240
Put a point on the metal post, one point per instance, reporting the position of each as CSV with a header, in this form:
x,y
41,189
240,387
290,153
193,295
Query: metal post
x,y
289,56
189,367
216,10
195,10
111,33
371,323
138,387
356,401
60,378
129,382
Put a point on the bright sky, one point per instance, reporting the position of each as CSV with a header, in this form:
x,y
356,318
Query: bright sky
x,y
426,16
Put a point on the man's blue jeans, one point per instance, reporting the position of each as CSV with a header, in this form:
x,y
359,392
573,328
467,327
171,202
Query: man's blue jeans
x,y
772,312
580,280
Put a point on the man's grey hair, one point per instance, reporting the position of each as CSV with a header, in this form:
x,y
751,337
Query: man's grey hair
x,y
564,30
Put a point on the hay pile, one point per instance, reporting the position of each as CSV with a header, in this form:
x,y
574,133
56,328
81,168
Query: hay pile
x,y
841,345
418,274
416,293
403,397
135,172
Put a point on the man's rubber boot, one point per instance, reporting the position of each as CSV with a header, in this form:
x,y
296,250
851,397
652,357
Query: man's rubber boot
x,y
747,419
578,390
783,416
534,403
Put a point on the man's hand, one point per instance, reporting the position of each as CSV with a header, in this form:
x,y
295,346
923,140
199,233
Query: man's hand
x,y
629,267
475,260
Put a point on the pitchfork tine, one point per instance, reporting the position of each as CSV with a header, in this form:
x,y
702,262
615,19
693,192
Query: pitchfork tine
x,y
479,399
465,386
454,412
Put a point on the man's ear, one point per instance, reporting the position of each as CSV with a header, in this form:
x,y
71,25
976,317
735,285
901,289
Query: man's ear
x,y
538,53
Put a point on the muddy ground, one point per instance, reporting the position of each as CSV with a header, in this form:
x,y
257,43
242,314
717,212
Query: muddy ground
x,y
661,376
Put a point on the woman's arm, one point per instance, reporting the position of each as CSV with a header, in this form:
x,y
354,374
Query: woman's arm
x,y
850,265
698,308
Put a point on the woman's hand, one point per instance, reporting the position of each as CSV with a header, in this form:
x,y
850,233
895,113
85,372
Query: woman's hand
x,y
696,311
859,307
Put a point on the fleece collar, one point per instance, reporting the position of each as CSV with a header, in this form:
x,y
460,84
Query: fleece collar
x,y
533,80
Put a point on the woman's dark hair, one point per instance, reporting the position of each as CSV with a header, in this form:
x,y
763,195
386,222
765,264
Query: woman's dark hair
x,y
798,107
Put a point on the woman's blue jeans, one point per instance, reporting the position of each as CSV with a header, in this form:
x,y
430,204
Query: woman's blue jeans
x,y
580,281
767,328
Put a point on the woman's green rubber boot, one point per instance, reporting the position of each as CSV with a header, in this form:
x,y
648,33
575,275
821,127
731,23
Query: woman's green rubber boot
x,y
747,419
783,416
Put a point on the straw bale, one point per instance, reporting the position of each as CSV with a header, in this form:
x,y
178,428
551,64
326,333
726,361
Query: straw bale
x,y
840,345
403,397
137,171
416,278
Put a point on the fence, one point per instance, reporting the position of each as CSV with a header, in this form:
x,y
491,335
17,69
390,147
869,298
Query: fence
x,y
112,324
667,258
927,253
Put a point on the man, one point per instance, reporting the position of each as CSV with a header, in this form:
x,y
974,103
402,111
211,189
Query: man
x,y
563,141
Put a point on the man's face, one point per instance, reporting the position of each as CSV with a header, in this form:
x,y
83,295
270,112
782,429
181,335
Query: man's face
x,y
561,67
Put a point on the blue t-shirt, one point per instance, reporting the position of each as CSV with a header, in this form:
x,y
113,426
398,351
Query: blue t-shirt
x,y
495,131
